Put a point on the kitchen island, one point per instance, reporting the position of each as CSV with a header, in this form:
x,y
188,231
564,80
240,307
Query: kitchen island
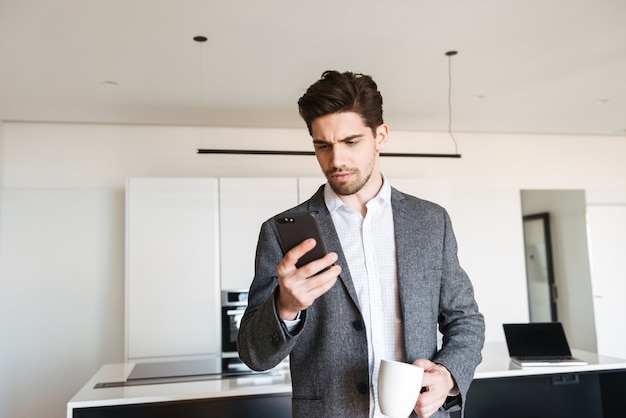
x,y
109,393
502,389
499,389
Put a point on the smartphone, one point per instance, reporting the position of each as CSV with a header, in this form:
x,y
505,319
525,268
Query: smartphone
x,y
293,228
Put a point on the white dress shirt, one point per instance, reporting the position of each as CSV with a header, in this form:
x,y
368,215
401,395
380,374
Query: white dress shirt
x,y
370,250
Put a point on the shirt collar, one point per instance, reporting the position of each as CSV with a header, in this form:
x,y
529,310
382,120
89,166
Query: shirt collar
x,y
333,202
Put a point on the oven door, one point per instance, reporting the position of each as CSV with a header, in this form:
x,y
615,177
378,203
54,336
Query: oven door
x,y
231,318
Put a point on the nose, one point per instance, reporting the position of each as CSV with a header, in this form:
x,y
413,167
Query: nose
x,y
337,157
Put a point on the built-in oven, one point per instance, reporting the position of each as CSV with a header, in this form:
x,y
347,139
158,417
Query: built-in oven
x,y
234,303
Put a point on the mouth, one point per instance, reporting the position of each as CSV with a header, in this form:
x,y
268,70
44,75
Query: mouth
x,y
340,175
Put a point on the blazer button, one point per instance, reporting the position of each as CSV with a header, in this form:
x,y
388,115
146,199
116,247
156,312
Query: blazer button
x,y
362,388
275,339
358,325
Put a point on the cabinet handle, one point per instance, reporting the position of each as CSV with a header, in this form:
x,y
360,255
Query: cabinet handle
x,y
235,312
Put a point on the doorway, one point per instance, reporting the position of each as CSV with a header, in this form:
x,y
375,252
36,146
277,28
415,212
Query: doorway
x,y
570,260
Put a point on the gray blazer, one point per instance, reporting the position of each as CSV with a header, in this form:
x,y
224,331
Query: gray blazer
x,y
328,352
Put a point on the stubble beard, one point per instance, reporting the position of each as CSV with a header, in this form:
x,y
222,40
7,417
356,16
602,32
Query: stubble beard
x,y
351,187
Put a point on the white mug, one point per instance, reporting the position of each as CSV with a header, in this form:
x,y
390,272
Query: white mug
x,y
399,386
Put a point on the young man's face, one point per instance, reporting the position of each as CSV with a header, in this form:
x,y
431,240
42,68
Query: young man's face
x,y
347,151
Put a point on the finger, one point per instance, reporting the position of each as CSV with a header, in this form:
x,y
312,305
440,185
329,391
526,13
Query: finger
x,y
320,283
292,256
427,365
427,404
316,266
424,363
302,288
287,265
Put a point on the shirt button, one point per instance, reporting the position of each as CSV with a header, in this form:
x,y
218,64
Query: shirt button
x,y
358,325
362,388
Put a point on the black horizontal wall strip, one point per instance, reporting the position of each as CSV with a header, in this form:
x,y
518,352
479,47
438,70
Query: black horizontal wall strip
x,y
269,152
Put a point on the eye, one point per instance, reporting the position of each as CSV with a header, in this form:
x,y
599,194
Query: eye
x,y
353,142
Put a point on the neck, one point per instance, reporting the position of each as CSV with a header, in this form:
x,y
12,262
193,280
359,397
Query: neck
x,y
358,200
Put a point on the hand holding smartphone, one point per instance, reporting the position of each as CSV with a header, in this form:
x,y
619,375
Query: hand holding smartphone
x,y
293,228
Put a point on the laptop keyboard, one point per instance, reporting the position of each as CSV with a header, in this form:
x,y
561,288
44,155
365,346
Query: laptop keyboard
x,y
546,358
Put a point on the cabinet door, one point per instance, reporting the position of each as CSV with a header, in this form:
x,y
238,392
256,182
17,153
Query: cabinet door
x,y
172,267
244,204
307,186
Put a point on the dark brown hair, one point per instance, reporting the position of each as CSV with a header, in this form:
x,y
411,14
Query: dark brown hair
x,y
337,92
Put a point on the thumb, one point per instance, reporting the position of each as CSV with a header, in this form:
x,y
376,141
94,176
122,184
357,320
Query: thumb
x,y
423,363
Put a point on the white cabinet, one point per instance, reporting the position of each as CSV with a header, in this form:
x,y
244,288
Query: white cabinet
x,y
307,186
244,204
172,267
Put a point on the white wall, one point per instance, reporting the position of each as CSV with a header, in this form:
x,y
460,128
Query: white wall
x,y
606,229
61,226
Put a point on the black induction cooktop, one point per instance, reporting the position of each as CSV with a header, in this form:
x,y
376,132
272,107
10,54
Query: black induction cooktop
x,y
183,371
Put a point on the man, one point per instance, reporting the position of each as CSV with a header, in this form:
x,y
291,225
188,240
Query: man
x,y
394,277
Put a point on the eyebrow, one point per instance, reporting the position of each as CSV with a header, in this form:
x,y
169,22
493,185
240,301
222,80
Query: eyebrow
x,y
346,139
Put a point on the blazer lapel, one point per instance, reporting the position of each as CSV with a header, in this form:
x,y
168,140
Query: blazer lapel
x,y
409,256
331,239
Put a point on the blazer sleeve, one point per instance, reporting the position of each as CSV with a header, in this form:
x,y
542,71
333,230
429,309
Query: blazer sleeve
x,y
460,322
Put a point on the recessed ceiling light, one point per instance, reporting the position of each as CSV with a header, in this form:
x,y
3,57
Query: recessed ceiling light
x,y
110,83
479,97
602,101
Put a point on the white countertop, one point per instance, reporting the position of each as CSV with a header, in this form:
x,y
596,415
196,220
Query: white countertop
x,y
277,381
495,364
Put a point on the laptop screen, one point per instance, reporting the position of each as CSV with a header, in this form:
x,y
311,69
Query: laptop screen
x,y
536,339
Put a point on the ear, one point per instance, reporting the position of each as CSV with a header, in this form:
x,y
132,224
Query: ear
x,y
382,134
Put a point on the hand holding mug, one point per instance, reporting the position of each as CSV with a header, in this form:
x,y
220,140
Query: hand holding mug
x,y
399,386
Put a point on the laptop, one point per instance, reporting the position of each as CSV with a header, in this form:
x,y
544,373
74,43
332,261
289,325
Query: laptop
x,y
538,344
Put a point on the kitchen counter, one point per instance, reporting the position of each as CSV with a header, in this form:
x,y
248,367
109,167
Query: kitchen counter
x,y
276,382
497,364
495,373
502,389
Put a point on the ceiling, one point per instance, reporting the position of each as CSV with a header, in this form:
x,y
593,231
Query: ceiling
x,y
549,66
